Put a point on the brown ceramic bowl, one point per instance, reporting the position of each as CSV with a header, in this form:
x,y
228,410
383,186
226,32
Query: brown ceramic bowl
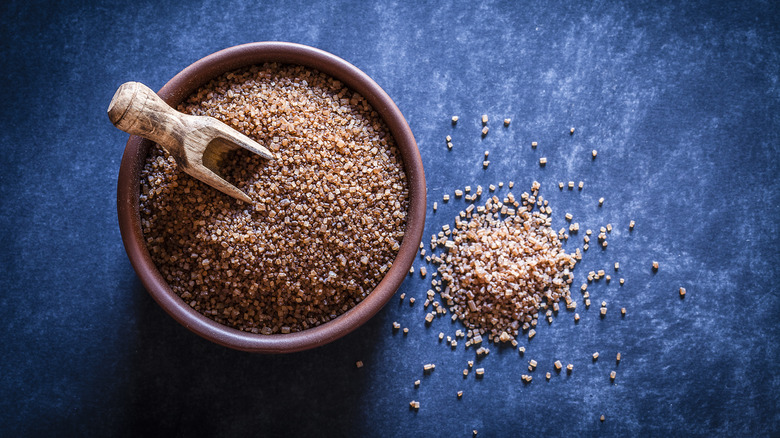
x,y
197,75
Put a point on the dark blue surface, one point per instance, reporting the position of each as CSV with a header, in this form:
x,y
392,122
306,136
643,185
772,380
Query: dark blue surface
x,y
681,101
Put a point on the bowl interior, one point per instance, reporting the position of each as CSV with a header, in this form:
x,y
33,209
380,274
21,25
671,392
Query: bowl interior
x,y
197,75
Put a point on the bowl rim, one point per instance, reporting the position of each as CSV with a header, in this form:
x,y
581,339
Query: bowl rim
x,y
181,86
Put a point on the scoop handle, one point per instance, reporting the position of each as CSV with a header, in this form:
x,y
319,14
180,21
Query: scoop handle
x,y
138,110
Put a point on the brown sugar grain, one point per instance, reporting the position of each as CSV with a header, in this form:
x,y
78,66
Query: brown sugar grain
x,y
499,269
327,215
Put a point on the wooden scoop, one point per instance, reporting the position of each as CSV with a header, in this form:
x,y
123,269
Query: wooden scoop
x,y
197,143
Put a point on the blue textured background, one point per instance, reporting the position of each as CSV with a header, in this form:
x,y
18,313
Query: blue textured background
x,y
681,101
